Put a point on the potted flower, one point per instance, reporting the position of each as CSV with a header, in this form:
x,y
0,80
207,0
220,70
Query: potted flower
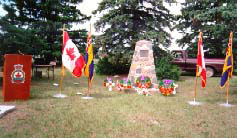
x,y
109,83
125,83
121,83
105,81
166,87
129,84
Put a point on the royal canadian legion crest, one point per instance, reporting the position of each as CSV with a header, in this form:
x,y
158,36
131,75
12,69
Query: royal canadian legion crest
x,y
18,75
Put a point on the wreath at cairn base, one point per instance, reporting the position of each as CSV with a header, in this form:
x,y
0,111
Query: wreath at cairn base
x,y
142,84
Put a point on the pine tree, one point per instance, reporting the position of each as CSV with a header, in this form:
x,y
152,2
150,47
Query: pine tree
x,y
37,24
124,22
215,18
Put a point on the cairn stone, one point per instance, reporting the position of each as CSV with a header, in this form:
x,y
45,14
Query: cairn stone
x,y
143,62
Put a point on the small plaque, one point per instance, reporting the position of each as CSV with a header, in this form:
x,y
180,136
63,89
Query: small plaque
x,y
139,71
143,53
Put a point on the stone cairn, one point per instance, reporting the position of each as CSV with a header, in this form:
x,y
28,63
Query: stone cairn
x,y
143,62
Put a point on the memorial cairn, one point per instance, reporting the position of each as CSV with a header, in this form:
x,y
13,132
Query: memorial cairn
x,y
142,71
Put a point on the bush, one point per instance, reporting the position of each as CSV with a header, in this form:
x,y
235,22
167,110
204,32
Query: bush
x,y
107,67
165,70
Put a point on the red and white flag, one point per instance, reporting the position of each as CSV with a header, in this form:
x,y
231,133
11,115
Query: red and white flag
x,y
201,71
71,57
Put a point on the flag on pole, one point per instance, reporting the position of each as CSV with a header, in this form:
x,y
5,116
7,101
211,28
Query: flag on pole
x,y
89,69
228,63
201,68
71,57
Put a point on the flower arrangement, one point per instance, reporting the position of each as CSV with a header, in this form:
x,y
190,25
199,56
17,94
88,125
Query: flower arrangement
x,y
109,83
124,84
143,80
167,87
107,80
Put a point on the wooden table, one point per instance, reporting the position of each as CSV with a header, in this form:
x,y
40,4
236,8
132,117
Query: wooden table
x,y
49,67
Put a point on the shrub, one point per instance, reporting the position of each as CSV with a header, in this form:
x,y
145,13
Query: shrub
x,y
106,67
165,70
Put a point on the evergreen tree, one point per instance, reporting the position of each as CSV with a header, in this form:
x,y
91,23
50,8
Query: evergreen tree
x,y
34,26
124,22
215,18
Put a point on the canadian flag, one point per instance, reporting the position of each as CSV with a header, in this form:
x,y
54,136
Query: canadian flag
x,y
71,57
201,62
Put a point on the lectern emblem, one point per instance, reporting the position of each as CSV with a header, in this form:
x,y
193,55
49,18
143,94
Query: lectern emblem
x,y
18,75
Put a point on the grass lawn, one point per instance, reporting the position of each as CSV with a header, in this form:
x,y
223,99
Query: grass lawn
x,y
121,114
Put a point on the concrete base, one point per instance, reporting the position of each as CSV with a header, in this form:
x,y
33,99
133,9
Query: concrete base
x,y
79,93
4,109
60,96
55,84
87,98
226,105
194,103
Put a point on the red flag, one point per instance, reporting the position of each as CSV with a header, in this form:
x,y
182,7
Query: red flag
x,y
201,68
71,57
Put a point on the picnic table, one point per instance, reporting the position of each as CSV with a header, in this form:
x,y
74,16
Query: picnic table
x,y
49,68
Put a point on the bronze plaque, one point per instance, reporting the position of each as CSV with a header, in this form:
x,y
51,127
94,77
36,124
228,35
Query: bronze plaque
x,y
143,53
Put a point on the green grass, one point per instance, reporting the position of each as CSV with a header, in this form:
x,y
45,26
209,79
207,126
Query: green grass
x,y
120,114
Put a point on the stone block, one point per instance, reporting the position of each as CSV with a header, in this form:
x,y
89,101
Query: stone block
x,y
143,61
4,109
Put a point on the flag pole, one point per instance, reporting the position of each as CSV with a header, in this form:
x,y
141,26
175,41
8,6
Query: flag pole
x,y
195,89
229,74
62,70
88,93
227,92
229,70
60,95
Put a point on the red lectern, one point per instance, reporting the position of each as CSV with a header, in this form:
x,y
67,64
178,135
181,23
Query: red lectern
x,y
16,77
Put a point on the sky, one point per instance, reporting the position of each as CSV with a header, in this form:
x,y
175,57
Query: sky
x,y
2,12
88,6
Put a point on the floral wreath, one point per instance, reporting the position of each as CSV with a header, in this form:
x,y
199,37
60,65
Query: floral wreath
x,y
143,80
